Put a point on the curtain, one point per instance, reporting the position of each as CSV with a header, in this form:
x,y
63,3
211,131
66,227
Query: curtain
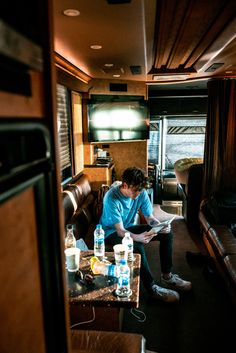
x,y
220,139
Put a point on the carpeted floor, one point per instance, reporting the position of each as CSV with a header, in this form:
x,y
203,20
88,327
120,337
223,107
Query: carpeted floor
x,y
203,321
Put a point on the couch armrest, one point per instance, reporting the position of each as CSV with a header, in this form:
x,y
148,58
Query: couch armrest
x,y
89,341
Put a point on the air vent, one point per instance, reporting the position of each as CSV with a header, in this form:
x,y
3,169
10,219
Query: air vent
x,y
214,67
136,69
113,70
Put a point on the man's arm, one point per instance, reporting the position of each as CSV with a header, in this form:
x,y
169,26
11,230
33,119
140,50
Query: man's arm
x,y
144,237
151,220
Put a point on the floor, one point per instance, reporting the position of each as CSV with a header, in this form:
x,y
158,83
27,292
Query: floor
x,y
203,320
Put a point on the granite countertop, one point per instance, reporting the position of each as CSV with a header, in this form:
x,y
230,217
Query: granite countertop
x,y
99,165
101,292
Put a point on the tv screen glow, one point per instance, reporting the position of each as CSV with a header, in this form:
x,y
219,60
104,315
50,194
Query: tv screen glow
x,y
118,121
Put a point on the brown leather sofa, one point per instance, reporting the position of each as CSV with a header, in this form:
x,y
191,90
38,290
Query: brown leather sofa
x,y
78,201
217,218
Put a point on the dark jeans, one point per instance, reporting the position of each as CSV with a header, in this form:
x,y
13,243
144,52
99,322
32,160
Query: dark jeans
x,y
165,250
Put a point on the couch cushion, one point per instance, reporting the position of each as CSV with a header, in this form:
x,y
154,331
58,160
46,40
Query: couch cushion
x,y
226,202
98,202
78,201
230,264
107,341
222,240
69,205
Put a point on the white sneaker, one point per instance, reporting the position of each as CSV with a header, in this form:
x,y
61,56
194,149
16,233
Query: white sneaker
x,y
175,282
166,295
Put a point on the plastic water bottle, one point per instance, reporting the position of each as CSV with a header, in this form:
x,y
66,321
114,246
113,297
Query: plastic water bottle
x,y
70,241
103,268
99,242
129,243
123,283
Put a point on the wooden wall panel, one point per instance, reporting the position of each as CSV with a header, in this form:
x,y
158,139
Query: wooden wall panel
x,y
77,132
127,154
20,296
16,106
103,87
98,176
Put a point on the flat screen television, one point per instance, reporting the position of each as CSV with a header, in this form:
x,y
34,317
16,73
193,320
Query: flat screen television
x,y
118,120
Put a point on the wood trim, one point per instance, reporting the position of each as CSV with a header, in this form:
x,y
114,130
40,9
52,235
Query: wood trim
x,y
185,31
66,66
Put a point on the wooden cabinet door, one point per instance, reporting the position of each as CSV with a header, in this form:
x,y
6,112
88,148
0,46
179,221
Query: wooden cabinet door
x,y
21,310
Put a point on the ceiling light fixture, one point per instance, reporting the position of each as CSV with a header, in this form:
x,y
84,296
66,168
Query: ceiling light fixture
x,y
116,75
170,77
109,65
71,12
96,46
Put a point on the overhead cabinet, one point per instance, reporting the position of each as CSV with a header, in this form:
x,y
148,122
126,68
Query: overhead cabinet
x,y
178,106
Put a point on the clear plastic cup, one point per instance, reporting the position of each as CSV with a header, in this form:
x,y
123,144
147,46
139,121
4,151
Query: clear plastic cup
x,y
120,252
72,259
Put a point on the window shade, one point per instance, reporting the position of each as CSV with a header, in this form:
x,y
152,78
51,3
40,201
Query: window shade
x,y
63,119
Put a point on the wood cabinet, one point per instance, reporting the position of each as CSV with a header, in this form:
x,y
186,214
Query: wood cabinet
x,y
99,175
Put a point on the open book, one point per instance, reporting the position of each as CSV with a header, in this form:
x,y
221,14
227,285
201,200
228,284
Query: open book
x,y
161,225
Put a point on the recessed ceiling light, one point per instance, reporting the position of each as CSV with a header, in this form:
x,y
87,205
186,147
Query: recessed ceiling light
x,y
71,12
109,65
116,75
96,46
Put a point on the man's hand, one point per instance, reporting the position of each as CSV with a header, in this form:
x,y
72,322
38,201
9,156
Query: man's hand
x,y
165,230
144,237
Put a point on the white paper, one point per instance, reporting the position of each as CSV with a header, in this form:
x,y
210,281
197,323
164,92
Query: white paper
x,y
161,225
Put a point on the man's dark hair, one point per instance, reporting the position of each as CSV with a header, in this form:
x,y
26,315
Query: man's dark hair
x,y
134,176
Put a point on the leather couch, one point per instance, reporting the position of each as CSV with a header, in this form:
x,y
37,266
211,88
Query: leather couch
x,y
78,201
217,218
189,175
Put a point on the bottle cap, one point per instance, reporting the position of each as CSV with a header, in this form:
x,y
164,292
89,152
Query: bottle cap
x,y
98,226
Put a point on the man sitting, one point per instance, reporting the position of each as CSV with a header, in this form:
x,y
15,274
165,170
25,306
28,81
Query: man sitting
x,y
120,206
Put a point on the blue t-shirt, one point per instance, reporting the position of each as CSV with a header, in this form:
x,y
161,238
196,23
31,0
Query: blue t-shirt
x,y
119,208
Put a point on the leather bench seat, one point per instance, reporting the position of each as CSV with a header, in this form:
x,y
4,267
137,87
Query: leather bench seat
x,y
82,208
78,204
86,341
230,266
217,215
222,240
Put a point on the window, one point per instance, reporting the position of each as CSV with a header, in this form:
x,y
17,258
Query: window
x,y
154,143
174,138
64,130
